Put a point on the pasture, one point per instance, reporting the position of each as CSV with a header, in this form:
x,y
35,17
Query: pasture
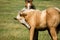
x,y
11,29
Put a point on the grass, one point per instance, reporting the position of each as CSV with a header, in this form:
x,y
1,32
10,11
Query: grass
x,y
11,29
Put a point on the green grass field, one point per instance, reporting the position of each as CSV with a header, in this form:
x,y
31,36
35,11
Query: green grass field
x,y
11,29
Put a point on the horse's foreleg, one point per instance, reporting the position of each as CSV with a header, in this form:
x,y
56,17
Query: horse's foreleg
x,y
31,33
35,35
53,33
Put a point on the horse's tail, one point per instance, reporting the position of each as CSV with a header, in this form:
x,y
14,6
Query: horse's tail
x,y
57,9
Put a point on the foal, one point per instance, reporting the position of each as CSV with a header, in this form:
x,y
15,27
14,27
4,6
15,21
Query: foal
x,y
49,18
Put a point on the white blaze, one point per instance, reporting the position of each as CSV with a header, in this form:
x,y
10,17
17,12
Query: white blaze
x,y
28,5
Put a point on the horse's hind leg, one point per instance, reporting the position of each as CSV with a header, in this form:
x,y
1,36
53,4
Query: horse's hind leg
x,y
53,33
52,29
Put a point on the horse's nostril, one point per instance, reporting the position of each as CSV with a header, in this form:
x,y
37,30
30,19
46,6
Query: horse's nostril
x,y
15,18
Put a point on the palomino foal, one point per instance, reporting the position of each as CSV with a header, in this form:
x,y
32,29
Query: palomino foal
x,y
46,19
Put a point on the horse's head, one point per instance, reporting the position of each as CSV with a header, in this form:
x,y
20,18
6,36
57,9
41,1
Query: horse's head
x,y
29,4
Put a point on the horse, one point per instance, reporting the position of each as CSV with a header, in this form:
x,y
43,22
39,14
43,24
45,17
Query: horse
x,y
47,19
